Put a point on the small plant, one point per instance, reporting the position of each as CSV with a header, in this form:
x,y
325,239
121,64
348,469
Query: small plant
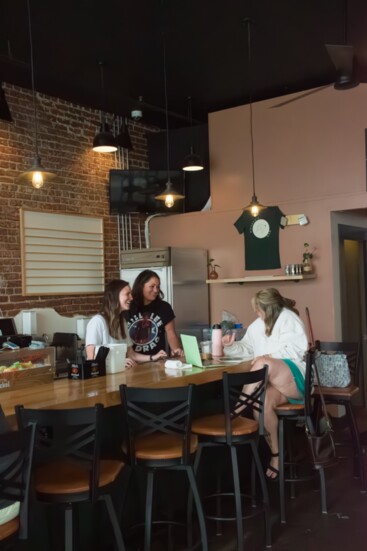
x,y
307,254
212,265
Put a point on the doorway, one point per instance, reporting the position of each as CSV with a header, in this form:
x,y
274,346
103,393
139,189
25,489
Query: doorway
x,y
349,230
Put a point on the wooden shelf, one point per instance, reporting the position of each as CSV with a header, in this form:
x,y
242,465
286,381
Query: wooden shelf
x,y
255,279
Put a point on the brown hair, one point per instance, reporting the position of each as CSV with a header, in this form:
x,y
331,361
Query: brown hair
x,y
138,287
271,302
111,308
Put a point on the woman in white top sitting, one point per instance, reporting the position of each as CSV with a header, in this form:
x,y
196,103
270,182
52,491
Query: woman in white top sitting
x,y
277,338
110,327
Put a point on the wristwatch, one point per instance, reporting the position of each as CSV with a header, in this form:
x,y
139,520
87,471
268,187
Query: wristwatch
x,y
151,358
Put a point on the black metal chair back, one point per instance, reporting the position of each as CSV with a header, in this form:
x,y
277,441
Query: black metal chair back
x,y
157,410
238,401
16,454
352,350
74,434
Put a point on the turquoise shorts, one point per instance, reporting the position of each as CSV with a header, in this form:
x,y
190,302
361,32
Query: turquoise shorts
x,y
298,379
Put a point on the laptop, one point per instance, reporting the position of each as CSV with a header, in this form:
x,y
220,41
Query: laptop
x,y
192,354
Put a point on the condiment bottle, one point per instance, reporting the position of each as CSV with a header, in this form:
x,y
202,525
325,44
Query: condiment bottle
x,y
217,346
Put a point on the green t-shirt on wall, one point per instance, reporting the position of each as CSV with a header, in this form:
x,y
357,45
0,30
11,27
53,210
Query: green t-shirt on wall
x,y
261,234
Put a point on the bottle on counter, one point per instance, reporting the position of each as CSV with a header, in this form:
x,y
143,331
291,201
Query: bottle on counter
x,y
217,347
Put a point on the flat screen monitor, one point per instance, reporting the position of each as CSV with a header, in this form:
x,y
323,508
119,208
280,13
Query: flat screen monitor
x,y
7,327
134,191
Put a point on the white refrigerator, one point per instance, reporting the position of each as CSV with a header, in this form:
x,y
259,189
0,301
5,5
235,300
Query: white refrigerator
x,y
183,274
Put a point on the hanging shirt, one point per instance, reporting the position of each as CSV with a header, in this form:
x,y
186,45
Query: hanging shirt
x,y
261,234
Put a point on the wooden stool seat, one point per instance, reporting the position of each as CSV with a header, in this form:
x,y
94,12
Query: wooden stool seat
x,y
162,446
9,528
346,393
215,425
68,477
288,407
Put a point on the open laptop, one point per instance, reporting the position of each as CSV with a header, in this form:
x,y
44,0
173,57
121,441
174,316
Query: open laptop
x,y
192,354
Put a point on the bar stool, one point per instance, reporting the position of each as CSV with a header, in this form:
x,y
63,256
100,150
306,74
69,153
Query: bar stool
x,y
344,396
157,422
16,454
68,469
231,429
296,413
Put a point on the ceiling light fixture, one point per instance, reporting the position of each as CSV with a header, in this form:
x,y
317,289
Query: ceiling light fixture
x,y
36,175
5,114
169,195
254,207
104,140
123,137
192,162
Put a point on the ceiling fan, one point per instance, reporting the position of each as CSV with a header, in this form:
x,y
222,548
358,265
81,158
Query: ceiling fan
x,y
344,60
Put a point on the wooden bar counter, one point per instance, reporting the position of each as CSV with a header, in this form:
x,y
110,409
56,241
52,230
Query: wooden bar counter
x,y
66,393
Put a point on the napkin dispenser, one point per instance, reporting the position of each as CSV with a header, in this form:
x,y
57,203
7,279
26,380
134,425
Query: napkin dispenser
x,y
89,369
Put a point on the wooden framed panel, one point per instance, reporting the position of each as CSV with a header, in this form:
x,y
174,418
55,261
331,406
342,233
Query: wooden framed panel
x,y
62,254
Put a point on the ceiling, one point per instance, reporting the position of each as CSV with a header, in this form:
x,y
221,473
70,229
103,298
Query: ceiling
x,y
206,51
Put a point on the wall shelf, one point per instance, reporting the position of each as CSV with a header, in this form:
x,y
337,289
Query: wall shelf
x,y
255,279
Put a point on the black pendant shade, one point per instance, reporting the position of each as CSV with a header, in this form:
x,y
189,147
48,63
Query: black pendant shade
x,y
104,141
193,162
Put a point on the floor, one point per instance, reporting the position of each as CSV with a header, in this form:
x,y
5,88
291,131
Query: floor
x,y
307,529
344,527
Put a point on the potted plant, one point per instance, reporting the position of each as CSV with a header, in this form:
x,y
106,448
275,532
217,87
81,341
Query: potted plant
x,y
213,274
307,259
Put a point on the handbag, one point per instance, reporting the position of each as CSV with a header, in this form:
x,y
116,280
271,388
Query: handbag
x,y
320,442
333,369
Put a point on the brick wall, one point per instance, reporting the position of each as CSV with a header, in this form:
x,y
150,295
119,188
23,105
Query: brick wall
x,y
66,133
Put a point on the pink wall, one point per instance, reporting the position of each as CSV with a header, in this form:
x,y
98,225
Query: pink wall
x,y
309,158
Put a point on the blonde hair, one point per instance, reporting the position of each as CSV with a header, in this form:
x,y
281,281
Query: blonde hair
x,y
271,302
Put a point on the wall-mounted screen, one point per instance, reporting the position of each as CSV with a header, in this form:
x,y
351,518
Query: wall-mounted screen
x,y
134,191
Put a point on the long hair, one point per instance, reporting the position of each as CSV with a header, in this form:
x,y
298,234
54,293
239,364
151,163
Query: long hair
x,y
140,281
271,302
111,308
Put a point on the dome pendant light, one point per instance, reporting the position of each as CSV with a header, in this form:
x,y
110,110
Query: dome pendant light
x,y
193,162
36,175
169,195
104,141
254,207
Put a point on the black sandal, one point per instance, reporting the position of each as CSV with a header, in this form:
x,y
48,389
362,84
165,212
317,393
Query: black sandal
x,y
273,470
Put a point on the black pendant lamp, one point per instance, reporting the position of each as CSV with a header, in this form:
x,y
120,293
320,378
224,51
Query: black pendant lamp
x,y
123,137
36,174
104,140
192,162
254,207
169,195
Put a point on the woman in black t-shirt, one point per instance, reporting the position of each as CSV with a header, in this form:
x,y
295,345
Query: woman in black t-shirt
x,y
151,319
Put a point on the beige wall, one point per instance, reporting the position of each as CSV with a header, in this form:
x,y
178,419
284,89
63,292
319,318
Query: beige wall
x,y
309,158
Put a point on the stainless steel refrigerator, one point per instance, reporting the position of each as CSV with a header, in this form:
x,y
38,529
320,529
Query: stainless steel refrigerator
x,y
183,274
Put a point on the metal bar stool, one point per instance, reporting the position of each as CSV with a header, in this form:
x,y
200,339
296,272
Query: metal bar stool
x,y
344,396
289,469
16,454
157,422
68,469
231,429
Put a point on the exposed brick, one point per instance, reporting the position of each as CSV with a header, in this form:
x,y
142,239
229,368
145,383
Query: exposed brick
x,y
66,133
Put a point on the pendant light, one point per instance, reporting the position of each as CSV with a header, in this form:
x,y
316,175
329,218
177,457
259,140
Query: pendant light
x,y
123,137
193,162
254,207
36,175
169,195
104,140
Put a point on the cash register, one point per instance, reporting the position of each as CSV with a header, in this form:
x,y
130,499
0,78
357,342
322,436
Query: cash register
x,y
10,336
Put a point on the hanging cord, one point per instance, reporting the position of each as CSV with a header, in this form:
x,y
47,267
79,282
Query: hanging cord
x,y
35,112
249,21
189,113
345,17
166,105
100,63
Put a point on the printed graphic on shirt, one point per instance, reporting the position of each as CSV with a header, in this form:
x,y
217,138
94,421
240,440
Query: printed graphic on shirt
x,y
144,331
